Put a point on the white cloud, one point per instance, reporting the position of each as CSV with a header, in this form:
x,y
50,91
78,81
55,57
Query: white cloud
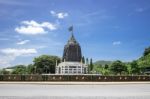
x,y
18,52
33,28
60,15
5,60
33,23
23,42
8,55
117,43
53,12
30,30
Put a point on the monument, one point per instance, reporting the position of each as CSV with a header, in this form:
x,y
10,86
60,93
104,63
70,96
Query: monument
x,y
72,58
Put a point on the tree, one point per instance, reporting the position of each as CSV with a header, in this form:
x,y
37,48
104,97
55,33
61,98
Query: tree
x,y
118,67
30,69
144,62
134,67
91,64
105,71
87,63
97,68
129,70
3,71
45,63
83,60
19,69
106,66
147,51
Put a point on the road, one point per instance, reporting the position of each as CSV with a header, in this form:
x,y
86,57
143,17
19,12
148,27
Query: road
x,y
74,90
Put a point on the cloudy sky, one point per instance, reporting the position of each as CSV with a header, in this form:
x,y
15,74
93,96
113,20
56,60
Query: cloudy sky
x,y
105,29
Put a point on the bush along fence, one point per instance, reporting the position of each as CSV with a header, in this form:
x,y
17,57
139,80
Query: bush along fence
x,y
84,78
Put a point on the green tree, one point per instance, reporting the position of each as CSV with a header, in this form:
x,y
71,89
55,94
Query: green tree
x,y
19,69
106,66
3,71
91,65
87,63
97,68
134,67
105,71
118,67
45,63
144,62
83,60
30,69
129,71
147,51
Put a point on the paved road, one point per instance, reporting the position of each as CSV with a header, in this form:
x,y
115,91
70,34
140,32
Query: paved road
x,y
76,91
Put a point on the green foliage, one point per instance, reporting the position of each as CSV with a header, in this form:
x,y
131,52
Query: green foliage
x,y
144,62
31,69
118,67
99,69
147,51
87,61
19,69
83,60
106,66
129,70
45,63
3,71
135,69
105,72
91,65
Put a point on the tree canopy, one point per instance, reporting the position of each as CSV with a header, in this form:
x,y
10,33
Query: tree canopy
x,y
118,67
19,69
45,63
144,62
91,65
147,51
135,69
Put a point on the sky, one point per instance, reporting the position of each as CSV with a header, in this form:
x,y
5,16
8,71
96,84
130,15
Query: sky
x,y
105,29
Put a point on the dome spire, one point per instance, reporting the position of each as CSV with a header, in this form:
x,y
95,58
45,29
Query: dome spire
x,y
72,50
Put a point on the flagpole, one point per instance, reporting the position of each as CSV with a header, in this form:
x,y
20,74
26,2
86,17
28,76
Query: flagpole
x,y
71,29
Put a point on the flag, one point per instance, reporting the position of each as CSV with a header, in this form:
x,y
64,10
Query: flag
x,y
70,28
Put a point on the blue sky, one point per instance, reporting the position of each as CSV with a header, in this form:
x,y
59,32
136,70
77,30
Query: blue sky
x,y
105,29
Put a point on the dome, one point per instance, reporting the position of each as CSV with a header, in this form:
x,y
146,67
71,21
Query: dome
x,y
72,50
